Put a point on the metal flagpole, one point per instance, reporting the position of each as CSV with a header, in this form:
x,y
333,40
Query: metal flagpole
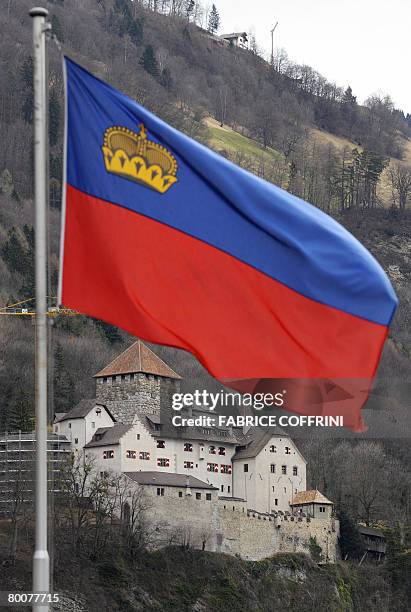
x,y
41,556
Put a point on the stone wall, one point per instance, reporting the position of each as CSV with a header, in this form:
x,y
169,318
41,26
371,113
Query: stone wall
x,y
255,536
125,396
128,394
182,520
226,526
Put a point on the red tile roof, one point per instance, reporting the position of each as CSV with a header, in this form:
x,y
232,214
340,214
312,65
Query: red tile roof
x,y
138,358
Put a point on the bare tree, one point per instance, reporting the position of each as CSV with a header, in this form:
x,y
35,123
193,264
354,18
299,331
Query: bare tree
x,y
400,179
76,482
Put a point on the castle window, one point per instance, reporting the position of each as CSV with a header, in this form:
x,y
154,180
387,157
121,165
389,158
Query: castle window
x,y
272,468
137,436
69,425
295,471
160,491
93,425
131,377
75,440
163,462
222,490
273,489
287,450
56,428
221,450
245,467
104,474
108,454
161,444
273,449
104,379
208,496
180,494
189,465
228,489
283,469
131,454
212,467
144,455
225,469
212,450
198,495
276,502
123,377
188,447
322,509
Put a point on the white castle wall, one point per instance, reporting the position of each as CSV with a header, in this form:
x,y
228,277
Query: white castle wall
x,y
80,431
262,487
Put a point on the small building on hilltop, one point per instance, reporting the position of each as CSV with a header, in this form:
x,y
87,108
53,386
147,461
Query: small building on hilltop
x,y
236,39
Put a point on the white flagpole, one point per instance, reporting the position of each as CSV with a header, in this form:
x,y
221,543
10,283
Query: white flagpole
x,y
41,556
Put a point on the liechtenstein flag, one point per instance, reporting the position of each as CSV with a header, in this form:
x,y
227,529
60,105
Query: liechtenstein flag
x,y
176,245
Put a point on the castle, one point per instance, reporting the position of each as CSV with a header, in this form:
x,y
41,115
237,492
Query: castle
x,y
223,488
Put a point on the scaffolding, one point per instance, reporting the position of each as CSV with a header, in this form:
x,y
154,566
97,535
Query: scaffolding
x,y
17,467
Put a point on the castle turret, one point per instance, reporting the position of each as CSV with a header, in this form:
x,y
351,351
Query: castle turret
x,y
136,382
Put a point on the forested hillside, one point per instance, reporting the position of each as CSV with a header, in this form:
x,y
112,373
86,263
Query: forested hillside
x,y
284,122
289,125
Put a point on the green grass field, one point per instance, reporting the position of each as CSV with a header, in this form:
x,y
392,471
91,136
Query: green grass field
x,y
226,139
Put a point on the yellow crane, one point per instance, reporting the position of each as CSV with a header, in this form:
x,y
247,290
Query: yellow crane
x,y
25,308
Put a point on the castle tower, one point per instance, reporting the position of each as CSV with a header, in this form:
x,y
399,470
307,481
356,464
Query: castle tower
x,y
136,382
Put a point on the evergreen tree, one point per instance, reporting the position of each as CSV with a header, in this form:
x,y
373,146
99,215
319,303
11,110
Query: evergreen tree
x,y
351,544
28,287
20,415
213,20
315,549
348,97
19,257
135,31
56,28
349,109
166,79
190,4
63,383
128,25
110,332
398,564
149,62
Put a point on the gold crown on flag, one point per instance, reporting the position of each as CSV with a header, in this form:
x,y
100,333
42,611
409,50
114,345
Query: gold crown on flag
x,y
136,158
